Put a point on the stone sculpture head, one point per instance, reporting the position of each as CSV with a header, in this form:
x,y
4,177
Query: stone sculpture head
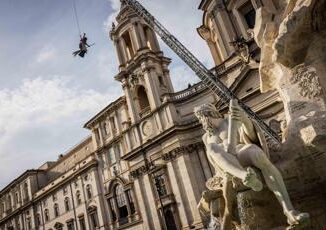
x,y
206,115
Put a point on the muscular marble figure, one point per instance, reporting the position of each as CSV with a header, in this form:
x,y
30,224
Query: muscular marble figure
x,y
236,154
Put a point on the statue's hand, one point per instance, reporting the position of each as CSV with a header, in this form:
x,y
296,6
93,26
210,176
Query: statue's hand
x,y
238,114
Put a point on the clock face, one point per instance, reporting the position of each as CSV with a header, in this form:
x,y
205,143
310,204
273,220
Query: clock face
x,y
147,128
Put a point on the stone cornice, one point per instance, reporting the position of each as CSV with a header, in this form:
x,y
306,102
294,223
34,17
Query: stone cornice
x,y
110,108
19,179
64,179
149,166
175,153
156,57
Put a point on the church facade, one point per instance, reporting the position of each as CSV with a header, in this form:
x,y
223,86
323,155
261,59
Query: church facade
x,y
144,165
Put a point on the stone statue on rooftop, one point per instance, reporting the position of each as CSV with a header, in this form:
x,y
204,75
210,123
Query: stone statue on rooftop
x,y
236,148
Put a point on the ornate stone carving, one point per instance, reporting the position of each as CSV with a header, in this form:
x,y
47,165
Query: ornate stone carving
x,y
214,183
235,158
308,81
147,128
175,153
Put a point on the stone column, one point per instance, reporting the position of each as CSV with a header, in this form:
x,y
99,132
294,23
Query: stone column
x,y
130,102
225,31
123,48
115,207
190,191
135,36
119,52
152,202
141,33
128,206
147,225
110,211
151,88
178,194
152,40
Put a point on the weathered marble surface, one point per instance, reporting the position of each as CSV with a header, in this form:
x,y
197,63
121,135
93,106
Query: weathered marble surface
x,y
293,61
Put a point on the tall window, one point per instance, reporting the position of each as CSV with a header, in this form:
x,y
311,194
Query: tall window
x,y
93,217
54,197
2,209
26,192
249,14
122,204
112,156
70,225
111,205
29,223
129,48
56,210
58,226
142,97
131,201
16,198
89,192
38,220
160,185
78,198
9,202
67,204
112,122
46,215
82,224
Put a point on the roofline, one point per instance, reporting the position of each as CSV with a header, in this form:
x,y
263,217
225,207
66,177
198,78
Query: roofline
x,y
69,152
203,4
103,111
27,172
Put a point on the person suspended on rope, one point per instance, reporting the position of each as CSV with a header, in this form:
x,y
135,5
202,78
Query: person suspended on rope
x,y
82,46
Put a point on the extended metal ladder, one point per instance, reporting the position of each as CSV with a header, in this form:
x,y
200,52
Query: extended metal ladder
x,y
212,82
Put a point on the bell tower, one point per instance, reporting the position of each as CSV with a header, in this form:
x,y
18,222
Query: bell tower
x,y
143,70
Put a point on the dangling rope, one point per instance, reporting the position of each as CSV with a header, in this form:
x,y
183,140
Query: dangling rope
x,y
76,16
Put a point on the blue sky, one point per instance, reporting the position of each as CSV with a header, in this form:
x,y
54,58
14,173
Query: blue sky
x,y
46,95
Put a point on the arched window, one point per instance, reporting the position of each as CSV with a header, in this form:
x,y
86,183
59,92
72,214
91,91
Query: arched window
x,y
38,219
94,222
121,201
78,198
56,210
67,204
89,192
142,97
129,47
122,204
46,215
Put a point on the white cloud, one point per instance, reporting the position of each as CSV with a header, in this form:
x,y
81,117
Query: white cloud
x,y
40,115
115,6
47,53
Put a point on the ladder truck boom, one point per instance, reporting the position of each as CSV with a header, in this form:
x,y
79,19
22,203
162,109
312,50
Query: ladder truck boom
x,y
207,77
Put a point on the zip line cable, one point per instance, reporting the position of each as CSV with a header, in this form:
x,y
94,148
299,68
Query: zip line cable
x,y
76,16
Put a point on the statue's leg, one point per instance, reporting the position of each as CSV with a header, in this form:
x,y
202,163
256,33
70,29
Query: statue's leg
x,y
274,180
229,163
229,198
